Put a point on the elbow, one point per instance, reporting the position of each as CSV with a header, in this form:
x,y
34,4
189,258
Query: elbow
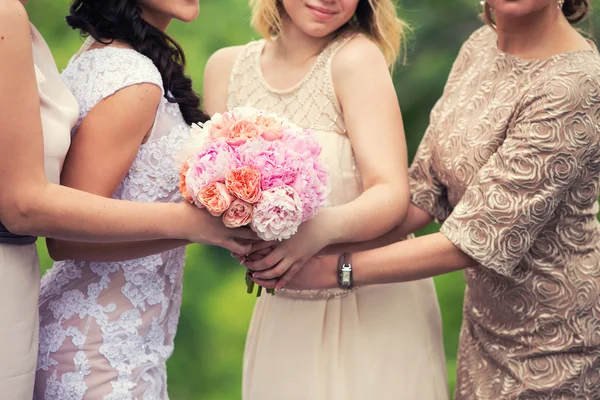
x,y
55,250
17,215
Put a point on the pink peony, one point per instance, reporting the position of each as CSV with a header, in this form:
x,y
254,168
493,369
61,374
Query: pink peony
x,y
209,165
215,198
278,214
312,187
238,214
302,141
277,164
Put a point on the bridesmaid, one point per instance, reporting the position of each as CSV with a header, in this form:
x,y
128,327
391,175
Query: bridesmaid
x,y
327,70
38,113
510,164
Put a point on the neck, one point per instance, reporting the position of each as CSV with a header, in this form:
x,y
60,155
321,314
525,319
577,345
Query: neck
x,y
156,19
294,45
539,34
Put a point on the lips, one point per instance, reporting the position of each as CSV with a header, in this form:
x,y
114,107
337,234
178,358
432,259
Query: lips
x,y
321,12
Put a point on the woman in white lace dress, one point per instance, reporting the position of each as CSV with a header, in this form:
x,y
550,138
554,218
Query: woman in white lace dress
x,y
107,326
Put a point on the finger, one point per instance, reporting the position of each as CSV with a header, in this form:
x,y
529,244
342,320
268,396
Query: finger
x,y
276,271
236,247
244,233
259,255
255,257
267,284
262,245
267,262
288,275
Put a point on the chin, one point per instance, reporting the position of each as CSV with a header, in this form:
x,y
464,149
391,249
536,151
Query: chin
x,y
517,8
188,13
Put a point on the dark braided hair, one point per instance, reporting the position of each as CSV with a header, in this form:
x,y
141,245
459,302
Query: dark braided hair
x,y
121,20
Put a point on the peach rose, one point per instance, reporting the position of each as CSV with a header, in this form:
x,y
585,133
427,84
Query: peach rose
x,y
215,198
183,189
271,128
241,131
220,125
238,214
244,183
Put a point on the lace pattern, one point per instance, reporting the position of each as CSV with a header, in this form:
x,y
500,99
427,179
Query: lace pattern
x,y
107,329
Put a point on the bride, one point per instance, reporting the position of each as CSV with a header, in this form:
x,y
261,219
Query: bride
x,y
107,325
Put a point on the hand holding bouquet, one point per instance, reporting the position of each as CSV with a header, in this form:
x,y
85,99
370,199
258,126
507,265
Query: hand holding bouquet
x,y
257,169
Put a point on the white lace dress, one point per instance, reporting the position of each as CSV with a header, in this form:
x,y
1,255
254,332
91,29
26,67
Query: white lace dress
x,y
107,329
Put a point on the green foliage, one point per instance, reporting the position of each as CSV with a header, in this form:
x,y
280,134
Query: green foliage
x,y
216,311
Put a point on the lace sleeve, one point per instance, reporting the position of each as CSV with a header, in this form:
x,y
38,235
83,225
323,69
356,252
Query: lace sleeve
x,y
99,73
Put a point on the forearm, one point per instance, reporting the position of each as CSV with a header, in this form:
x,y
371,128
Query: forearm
x,y
410,260
69,214
376,211
109,252
416,219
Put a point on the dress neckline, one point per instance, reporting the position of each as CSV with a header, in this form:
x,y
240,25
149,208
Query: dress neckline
x,y
317,63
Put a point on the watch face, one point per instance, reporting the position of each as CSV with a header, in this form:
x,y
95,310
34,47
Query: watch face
x,y
345,276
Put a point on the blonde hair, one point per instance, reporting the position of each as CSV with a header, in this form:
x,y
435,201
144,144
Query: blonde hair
x,y
377,19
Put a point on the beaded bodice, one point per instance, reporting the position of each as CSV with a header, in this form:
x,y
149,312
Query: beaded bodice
x,y
312,104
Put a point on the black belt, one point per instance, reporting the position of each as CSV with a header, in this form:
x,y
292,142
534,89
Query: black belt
x,y
10,238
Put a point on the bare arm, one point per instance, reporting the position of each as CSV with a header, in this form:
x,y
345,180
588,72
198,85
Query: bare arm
x,y
29,204
416,219
410,260
216,79
102,151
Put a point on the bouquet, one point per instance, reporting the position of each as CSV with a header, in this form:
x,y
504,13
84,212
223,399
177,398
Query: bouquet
x,y
255,169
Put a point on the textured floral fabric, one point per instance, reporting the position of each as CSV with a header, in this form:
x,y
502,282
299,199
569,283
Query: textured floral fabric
x,y
510,164
107,329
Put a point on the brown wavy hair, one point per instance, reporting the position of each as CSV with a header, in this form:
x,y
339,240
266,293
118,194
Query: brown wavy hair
x,y
121,20
575,11
377,19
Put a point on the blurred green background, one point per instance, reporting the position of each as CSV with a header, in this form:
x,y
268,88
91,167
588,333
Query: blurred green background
x,y
216,311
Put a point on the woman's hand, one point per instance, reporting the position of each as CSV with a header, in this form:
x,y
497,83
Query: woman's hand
x,y
287,257
316,273
201,227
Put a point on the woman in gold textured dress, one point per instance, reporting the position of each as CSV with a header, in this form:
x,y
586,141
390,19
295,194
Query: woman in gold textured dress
x,y
510,165
324,71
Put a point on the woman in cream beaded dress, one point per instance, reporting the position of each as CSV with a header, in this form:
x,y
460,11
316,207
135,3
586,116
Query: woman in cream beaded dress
x,y
374,343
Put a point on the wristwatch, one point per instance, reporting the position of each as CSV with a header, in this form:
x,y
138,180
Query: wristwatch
x,y
345,271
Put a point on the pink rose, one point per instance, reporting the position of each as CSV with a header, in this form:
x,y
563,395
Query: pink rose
x,y
271,129
278,214
215,198
244,183
238,214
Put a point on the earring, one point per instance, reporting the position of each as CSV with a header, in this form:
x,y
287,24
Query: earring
x,y
561,3
482,2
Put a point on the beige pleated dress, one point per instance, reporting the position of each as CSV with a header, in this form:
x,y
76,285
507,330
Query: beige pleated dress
x,y
19,266
380,342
